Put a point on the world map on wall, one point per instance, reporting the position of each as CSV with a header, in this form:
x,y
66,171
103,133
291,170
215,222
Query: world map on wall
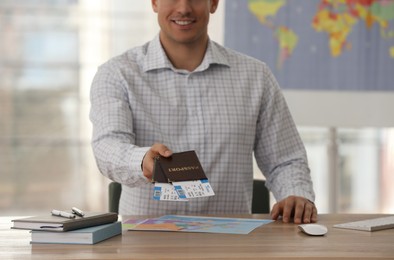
x,y
317,44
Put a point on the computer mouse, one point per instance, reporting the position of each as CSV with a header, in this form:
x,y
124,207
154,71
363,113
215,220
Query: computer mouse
x,y
313,229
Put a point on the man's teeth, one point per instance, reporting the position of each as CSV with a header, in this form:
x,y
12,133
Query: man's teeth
x,y
183,22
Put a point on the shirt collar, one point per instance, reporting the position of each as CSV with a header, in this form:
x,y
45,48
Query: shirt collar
x,y
156,58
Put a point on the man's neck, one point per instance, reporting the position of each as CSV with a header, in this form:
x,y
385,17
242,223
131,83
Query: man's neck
x,y
185,56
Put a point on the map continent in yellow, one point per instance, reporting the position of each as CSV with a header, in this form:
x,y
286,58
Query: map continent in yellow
x,y
264,10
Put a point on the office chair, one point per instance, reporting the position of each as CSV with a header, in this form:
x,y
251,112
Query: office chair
x,y
114,191
261,198
260,201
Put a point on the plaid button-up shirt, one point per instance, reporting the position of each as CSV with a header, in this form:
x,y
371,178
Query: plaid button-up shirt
x,y
227,110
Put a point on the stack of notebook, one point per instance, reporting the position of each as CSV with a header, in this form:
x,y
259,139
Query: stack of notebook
x,y
91,228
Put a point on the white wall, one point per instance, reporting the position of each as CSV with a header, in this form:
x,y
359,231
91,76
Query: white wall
x,y
341,109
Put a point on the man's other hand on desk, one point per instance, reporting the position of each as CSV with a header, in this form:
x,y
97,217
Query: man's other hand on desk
x,y
301,209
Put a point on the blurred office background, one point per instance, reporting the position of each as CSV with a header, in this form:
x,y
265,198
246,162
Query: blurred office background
x,y
49,53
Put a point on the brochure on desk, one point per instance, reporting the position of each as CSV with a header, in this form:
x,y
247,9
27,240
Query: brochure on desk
x,y
196,224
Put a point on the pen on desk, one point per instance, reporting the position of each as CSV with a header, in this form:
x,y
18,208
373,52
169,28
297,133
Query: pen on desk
x,y
62,214
77,211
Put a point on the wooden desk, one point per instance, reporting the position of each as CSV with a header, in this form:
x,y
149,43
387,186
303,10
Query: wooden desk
x,y
276,240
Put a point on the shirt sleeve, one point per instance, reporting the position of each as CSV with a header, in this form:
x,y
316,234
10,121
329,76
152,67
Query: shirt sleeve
x,y
113,141
279,151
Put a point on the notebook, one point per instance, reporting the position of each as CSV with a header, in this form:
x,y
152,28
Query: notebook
x,y
55,223
89,236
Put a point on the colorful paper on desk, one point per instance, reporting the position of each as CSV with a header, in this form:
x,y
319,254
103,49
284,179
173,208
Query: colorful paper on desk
x,y
199,224
131,223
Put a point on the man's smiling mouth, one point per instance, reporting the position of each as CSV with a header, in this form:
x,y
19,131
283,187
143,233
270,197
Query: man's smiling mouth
x,y
182,22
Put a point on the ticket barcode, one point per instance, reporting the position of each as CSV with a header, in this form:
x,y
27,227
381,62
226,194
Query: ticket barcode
x,y
180,191
156,193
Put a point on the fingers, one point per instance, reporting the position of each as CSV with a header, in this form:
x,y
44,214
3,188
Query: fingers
x,y
310,212
289,205
161,149
283,208
301,209
314,213
149,158
275,212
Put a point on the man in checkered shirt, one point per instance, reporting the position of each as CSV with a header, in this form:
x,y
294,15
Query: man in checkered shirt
x,y
181,91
